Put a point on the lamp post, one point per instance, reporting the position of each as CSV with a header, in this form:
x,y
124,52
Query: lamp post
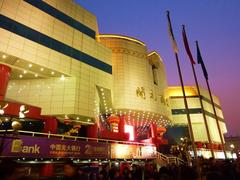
x,y
186,147
232,149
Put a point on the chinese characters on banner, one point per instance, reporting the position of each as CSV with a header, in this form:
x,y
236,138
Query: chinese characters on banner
x,y
27,146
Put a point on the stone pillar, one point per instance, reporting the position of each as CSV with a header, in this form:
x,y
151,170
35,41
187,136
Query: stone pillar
x,y
4,78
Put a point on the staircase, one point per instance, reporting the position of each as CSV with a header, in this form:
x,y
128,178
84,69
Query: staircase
x,y
164,160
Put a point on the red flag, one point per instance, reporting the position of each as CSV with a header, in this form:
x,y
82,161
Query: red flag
x,y
185,41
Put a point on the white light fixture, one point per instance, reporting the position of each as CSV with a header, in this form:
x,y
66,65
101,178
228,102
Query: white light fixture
x,y
30,65
23,111
42,69
36,75
1,111
52,73
62,77
24,72
4,56
20,75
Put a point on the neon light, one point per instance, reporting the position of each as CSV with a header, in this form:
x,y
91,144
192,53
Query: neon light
x,y
121,37
129,129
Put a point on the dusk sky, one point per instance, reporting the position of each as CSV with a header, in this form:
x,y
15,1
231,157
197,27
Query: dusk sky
x,y
214,23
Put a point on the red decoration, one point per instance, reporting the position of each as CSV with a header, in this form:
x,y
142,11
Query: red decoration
x,y
92,131
50,124
113,119
4,78
13,108
47,170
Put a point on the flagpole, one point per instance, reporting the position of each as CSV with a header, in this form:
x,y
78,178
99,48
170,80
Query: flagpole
x,y
186,107
198,89
182,86
215,113
203,111
216,117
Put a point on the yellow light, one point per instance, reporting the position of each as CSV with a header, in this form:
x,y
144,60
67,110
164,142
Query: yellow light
x,y
36,75
4,56
154,52
177,91
24,72
30,65
52,72
20,75
42,69
121,37
62,77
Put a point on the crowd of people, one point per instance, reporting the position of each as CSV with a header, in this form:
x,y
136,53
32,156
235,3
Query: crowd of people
x,y
203,169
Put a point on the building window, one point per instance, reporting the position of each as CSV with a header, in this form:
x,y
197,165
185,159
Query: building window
x,y
154,72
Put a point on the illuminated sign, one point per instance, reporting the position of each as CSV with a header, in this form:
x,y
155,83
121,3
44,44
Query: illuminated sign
x,y
129,129
125,151
27,146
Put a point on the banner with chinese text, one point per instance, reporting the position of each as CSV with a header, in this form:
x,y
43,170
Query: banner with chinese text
x,y
40,147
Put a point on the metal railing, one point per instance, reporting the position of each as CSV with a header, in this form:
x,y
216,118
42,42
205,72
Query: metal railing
x,y
159,156
67,137
169,159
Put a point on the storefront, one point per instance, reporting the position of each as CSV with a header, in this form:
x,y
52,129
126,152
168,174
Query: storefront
x,y
43,154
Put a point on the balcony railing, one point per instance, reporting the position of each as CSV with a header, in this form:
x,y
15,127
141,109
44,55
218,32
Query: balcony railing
x,y
65,137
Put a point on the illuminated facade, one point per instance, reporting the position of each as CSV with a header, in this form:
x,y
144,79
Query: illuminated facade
x,y
198,125
59,75
139,85
63,72
55,60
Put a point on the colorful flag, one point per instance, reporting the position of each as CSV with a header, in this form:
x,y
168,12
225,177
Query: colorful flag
x,y
185,41
170,31
200,61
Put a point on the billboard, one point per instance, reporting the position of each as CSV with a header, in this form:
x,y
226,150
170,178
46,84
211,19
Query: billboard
x,y
40,147
131,151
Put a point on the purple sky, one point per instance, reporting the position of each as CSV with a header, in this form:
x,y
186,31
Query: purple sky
x,y
214,23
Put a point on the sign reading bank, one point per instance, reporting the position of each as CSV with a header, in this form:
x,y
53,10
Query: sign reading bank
x,y
38,147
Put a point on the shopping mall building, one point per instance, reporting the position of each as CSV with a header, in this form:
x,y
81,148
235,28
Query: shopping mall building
x,y
60,76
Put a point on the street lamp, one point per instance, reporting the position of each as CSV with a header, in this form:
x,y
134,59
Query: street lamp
x,y
232,149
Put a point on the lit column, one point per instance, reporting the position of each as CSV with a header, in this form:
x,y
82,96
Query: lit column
x,y
4,78
154,131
